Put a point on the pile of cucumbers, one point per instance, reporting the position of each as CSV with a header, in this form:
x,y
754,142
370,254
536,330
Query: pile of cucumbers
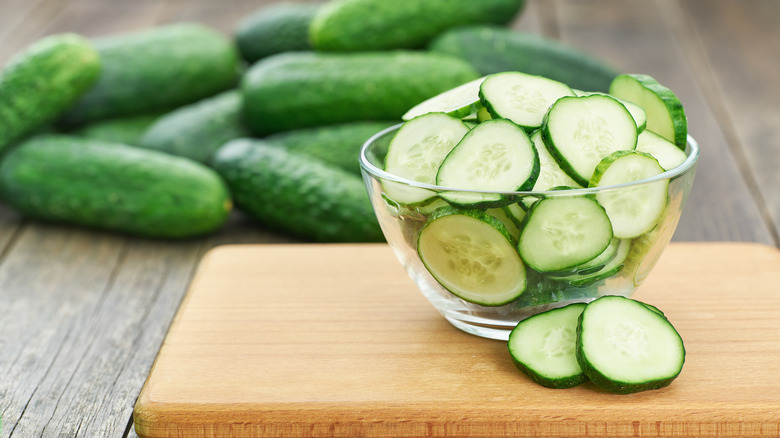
x,y
163,133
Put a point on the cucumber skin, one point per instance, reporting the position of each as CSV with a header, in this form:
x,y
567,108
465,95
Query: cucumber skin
x,y
276,28
603,381
156,70
296,193
197,130
115,187
365,25
42,81
305,89
338,145
493,49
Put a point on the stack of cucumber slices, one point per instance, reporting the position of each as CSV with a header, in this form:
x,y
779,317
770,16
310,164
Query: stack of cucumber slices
x,y
474,147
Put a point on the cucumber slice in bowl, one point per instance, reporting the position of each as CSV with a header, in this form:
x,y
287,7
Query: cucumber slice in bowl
x,y
667,153
665,113
624,346
471,254
562,232
634,210
416,152
637,112
543,347
495,156
461,101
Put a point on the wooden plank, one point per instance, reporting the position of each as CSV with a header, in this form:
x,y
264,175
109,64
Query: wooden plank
x,y
740,63
336,341
635,36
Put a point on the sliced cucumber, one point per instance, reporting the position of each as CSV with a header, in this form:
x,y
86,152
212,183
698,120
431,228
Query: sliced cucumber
x,y
667,153
625,346
520,97
416,152
543,347
580,131
550,173
665,113
634,210
495,156
598,269
471,254
460,102
637,112
560,233
509,222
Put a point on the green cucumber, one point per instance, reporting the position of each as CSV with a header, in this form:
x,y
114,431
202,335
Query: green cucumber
x,y
338,145
275,28
471,254
197,130
637,112
667,153
580,131
125,130
635,210
562,232
665,113
369,25
304,89
114,187
550,173
625,346
461,102
495,156
543,347
605,265
494,49
42,81
296,193
156,70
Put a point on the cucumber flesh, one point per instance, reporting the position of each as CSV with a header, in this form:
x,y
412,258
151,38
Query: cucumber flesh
x,y
667,153
543,347
635,210
550,173
471,254
461,101
637,112
520,97
416,152
495,156
563,232
580,131
625,346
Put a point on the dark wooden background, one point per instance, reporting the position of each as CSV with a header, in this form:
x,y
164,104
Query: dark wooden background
x,y
83,313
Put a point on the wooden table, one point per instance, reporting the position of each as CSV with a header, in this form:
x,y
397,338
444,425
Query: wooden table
x,y
83,313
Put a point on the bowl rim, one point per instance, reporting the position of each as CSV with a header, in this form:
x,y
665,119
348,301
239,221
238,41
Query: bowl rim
x,y
692,152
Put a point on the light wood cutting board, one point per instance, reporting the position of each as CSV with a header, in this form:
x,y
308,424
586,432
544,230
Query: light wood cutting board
x,y
334,340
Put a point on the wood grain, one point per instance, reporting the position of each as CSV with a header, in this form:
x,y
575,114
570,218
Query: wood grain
x,y
336,341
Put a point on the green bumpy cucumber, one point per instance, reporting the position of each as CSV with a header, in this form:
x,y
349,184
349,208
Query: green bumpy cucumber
x,y
197,130
365,25
42,81
277,28
125,130
115,187
296,193
304,89
493,49
338,145
156,70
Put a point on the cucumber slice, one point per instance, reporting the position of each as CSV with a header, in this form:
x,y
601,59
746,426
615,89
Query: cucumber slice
x,y
624,346
543,347
563,232
635,210
580,131
637,112
520,97
665,113
471,254
597,269
550,173
416,152
495,156
509,222
667,153
460,102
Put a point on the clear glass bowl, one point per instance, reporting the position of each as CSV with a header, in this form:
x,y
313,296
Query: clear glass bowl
x,y
402,224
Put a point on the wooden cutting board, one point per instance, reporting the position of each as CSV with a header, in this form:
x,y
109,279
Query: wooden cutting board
x,y
334,340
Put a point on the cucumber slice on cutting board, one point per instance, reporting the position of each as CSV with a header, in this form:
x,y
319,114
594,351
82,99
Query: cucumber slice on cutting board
x,y
543,347
625,346
471,254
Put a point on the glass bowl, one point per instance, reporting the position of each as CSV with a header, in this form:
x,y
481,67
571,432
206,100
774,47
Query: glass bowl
x,y
631,260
